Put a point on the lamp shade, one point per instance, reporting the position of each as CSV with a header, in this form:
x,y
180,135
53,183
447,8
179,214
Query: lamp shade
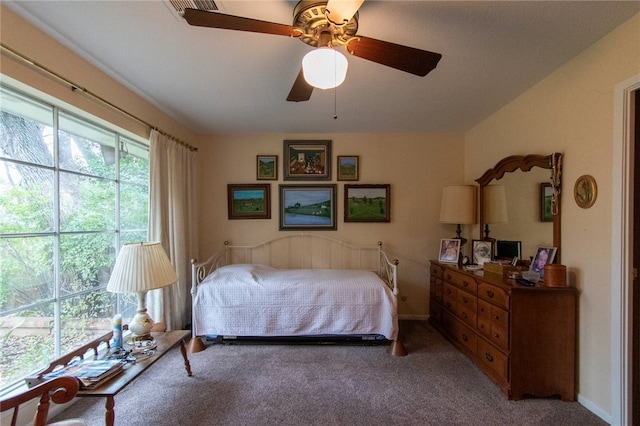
x,y
141,267
494,204
324,68
458,204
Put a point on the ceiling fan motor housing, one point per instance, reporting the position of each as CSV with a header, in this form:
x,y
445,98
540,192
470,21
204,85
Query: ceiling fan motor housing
x,y
309,17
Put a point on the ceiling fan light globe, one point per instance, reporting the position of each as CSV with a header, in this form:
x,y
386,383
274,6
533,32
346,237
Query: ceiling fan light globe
x,y
324,68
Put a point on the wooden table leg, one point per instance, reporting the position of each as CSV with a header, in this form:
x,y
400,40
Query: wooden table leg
x,y
109,415
187,365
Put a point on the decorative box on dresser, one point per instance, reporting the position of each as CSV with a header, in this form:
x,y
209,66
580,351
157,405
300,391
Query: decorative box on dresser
x,y
523,338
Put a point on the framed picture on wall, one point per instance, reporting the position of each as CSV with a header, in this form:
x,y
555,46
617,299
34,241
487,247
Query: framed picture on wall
x,y
307,160
251,201
267,167
367,203
308,207
348,168
546,195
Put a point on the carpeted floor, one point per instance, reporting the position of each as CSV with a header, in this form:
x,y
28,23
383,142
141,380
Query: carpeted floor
x,y
325,385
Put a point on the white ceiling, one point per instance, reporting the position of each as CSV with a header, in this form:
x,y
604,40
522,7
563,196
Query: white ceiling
x,y
222,81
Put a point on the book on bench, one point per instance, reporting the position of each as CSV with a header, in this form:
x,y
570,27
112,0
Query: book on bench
x,y
91,373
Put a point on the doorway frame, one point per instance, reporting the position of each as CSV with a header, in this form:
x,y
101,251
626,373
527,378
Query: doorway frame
x,y
622,250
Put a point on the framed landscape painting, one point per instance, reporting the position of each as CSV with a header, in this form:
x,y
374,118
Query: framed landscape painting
x,y
307,160
267,167
546,195
308,207
367,203
249,201
348,167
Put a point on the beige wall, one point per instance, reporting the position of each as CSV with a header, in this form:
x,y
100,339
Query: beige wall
x,y
571,111
24,38
416,167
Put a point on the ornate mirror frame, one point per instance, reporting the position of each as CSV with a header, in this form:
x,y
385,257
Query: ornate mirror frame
x,y
525,163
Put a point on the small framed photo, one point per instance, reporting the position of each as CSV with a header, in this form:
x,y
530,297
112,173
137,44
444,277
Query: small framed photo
x,y
251,201
308,207
348,167
544,256
482,251
267,167
546,196
367,203
307,160
449,250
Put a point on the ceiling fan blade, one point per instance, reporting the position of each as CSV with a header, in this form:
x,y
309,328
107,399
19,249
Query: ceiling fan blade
x,y
202,18
404,58
340,12
301,90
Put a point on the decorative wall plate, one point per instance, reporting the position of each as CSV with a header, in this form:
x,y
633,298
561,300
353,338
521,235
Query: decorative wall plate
x,y
585,191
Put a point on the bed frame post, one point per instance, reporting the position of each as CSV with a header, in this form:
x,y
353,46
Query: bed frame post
x,y
195,344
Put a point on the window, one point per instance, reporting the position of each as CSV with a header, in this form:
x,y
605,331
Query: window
x,y
71,192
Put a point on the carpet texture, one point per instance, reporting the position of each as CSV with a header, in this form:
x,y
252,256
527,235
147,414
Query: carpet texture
x,y
325,385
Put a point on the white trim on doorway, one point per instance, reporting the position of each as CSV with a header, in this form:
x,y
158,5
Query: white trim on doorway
x,y
621,251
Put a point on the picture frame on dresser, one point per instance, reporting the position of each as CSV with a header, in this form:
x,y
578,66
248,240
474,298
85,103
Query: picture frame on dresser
x,y
482,251
449,250
544,256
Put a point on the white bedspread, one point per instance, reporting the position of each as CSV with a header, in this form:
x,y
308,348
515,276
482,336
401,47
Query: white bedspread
x,y
257,300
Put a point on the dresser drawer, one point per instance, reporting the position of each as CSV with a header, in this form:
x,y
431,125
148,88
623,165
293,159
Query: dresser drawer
x,y
435,289
465,282
494,294
493,313
465,336
449,297
437,271
493,359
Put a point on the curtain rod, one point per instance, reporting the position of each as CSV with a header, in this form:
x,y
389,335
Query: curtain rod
x,y
75,87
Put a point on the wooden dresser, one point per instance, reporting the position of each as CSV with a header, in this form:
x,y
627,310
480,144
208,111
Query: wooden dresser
x,y
523,338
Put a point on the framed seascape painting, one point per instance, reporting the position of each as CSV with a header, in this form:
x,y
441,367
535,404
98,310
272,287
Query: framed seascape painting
x,y
449,250
308,207
267,167
251,201
367,203
307,160
348,167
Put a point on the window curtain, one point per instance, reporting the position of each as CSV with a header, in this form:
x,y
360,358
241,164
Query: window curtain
x,y
172,222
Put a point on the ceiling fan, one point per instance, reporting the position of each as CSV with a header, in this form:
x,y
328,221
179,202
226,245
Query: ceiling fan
x,y
324,24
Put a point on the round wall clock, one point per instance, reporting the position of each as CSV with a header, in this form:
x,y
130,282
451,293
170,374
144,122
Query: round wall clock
x,y
585,191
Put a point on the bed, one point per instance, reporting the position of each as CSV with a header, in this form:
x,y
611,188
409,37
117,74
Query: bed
x,y
302,285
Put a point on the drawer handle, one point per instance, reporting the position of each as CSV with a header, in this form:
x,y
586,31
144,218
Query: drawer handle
x,y
464,283
496,317
497,336
448,276
465,337
490,294
448,305
488,356
464,315
482,326
465,300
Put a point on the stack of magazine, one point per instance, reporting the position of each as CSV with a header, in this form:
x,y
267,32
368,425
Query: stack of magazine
x,y
90,373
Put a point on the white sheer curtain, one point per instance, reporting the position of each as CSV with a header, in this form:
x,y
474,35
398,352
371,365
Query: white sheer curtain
x,y
172,222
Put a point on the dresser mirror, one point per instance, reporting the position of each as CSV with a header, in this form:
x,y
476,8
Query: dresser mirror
x,y
522,177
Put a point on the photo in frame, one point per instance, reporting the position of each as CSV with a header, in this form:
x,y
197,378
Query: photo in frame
x,y
546,197
544,256
250,201
267,167
308,207
482,251
449,250
307,160
348,167
367,203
